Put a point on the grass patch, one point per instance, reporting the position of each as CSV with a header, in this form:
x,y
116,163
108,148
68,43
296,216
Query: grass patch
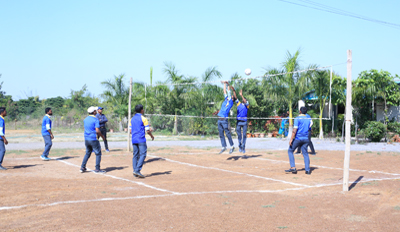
x,y
268,206
397,208
282,227
302,207
18,152
369,151
370,183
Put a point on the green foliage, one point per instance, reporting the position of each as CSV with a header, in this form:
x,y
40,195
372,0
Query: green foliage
x,y
375,131
394,127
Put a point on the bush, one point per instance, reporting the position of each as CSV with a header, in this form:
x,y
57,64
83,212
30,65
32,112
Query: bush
x,y
375,131
394,127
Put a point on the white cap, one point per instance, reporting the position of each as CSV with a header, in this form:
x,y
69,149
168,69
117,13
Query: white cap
x,y
91,109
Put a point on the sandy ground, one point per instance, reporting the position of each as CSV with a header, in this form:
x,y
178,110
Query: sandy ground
x,y
194,189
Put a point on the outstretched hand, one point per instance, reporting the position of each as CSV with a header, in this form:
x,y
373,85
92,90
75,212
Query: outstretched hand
x,y
241,92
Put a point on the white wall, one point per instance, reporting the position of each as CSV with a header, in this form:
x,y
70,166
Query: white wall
x,y
393,112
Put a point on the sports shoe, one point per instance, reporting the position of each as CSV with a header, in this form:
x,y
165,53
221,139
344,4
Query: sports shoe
x,y
107,150
243,151
99,171
138,174
292,170
45,158
308,172
231,150
240,149
222,150
82,170
2,168
135,174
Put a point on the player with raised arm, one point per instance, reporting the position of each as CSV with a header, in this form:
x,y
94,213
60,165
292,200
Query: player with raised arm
x,y
241,125
223,123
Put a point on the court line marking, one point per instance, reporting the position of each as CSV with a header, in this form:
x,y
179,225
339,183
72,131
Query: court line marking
x,y
224,170
184,194
276,161
119,178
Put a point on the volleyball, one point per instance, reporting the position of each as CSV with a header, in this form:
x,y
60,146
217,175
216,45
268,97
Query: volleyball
x,y
247,71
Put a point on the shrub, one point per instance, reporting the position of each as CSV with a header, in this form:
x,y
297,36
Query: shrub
x,y
375,131
394,127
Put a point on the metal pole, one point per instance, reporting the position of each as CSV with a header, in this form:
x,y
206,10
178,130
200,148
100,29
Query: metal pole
x,y
129,115
348,122
330,93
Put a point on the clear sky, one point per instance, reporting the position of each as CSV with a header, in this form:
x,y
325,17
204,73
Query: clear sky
x,y
49,47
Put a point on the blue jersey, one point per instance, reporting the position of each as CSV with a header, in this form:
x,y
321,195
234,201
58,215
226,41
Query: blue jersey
x,y
302,123
138,126
226,106
102,119
242,110
90,124
2,127
46,125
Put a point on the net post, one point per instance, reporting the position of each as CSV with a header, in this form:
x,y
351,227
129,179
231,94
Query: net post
x,y
348,122
129,115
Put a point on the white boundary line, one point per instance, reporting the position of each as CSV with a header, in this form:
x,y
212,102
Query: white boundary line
x,y
181,194
119,178
219,169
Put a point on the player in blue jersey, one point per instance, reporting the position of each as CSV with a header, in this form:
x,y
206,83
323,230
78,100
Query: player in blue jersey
x,y
223,123
300,139
138,127
92,130
47,134
242,110
3,140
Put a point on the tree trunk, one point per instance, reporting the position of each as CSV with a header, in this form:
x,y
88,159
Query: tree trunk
x,y
120,124
290,120
373,111
321,129
175,131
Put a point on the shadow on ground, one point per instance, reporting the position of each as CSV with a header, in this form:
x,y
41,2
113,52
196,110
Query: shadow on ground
x,y
159,173
67,157
154,159
110,169
355,182
25,166
234,158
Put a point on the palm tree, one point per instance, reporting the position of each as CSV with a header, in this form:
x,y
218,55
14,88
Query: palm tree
x,y
320,81
286,85
117,93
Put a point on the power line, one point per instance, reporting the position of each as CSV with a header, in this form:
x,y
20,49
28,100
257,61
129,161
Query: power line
x,y
322,7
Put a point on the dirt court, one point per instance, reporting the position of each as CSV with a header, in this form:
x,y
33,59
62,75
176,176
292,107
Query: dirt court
x,y
191,189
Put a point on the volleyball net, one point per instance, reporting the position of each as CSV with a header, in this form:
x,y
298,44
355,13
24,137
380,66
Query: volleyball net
x,y
188,106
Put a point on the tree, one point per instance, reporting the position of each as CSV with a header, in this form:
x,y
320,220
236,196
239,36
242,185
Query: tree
x,y
117,94
286,83
384,88
320,81
339,86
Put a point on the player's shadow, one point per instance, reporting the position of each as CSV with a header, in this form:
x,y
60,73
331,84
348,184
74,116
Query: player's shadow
x,y
110,169
234,158
159,173
67,157
311,169
154,159
25,166
355,182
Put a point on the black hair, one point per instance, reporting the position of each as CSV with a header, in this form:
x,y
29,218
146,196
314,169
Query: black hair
x,y
234,98
2,109
303,110
138,108
47,110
